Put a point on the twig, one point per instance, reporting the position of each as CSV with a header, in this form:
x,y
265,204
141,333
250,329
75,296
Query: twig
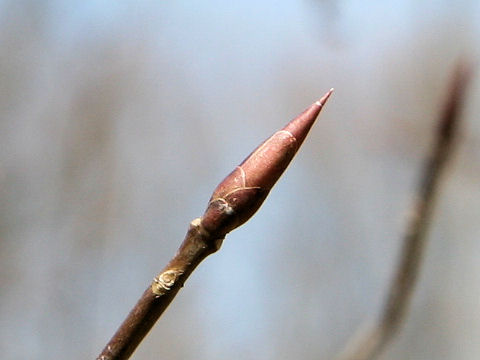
x,y
233,202
371,343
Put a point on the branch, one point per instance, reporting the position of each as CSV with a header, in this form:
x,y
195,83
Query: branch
x,y
371,343
233,202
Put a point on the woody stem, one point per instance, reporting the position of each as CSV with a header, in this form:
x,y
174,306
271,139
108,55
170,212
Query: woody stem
x,y
196,246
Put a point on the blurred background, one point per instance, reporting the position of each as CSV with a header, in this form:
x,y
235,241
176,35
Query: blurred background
x,y
118,119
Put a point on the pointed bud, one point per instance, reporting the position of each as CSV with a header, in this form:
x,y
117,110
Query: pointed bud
x,y
242,192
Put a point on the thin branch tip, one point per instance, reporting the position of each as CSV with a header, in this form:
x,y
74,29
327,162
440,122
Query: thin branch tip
x,y
455,98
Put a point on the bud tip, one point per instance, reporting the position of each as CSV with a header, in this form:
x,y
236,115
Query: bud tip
x,y
324,98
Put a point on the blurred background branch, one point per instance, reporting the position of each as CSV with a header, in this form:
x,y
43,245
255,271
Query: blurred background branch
x,y
367,345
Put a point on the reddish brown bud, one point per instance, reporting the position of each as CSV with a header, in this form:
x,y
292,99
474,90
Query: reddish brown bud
x,y
242,192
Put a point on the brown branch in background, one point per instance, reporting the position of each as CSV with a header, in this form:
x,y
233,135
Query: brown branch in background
x,y
371,343
233,202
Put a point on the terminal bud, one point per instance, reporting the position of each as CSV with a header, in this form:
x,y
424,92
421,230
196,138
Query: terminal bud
x,y
243,191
